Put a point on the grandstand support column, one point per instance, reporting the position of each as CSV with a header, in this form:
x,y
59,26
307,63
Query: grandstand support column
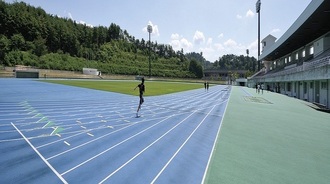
x,y
149,31
258,5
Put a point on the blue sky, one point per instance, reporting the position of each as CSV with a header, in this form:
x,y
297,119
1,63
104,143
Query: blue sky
x,y
213,27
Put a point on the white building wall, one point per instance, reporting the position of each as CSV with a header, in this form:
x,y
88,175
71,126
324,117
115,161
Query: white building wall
x,y
327,42
323,92
328,105
318,47
310,90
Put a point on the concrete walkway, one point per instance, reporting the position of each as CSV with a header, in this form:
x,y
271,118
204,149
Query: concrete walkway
x,y
271,138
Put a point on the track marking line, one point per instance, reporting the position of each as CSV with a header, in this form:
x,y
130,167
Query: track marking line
x,y
112,147
114,172
182,145
41,119
31,111
215,140
54,130
43,159
103,136
66,143
37,115
47,124
90,134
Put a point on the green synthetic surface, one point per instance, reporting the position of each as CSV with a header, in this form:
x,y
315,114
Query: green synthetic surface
x,y
261,143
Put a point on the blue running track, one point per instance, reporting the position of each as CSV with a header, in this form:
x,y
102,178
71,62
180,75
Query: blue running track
x,y
53,133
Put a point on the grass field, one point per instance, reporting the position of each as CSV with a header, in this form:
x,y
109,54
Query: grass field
x,y
153,88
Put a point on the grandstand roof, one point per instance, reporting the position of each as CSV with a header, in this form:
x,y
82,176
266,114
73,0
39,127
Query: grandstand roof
x,y
310,25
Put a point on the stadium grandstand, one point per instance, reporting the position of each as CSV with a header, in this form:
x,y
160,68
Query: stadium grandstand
x,y
298,63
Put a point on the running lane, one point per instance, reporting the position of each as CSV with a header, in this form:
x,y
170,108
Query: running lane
x,y
59,133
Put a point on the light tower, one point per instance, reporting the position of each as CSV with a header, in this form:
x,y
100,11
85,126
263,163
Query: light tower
x,y
258,6
149,31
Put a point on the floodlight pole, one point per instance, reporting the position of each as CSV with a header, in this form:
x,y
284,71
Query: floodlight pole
x,y
258,6
149,31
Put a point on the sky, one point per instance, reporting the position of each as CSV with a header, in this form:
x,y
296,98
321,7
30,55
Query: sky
x,y
211,27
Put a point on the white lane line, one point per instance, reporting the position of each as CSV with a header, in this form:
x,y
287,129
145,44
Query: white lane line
x,y
36,115
40,119
54,130
80,132
215,140
90,134
66,143
125,140
43,159
114,172
84,131
48,123
183,144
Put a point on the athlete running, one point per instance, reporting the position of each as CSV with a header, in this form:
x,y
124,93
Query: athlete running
x,y
141,90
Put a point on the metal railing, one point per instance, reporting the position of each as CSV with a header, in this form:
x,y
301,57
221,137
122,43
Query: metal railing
x,y
304,67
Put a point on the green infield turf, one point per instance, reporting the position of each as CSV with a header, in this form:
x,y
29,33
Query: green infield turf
x,y
127,87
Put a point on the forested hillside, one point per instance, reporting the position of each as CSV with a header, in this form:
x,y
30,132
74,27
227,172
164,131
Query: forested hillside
x,y
232,62
30,36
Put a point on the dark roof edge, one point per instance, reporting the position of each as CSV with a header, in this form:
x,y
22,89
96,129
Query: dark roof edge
x,y
311,8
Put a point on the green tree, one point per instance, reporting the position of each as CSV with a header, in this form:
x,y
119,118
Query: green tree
x,y
196,68
4,47
17,42
40,47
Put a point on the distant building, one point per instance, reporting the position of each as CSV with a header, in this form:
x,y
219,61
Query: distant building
x,y
267,42
91,71
225,75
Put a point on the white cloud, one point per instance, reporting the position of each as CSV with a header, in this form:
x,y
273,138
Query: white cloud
x,y
275,31
230,46
70,16
79,22
175,36
199,37
209,41
219,46
230,43
253,48
220,35
212,51
209,54
84,23
177,42
155,30
186,45
249,14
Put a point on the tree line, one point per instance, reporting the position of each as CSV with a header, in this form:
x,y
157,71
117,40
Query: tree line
x,y
30,36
